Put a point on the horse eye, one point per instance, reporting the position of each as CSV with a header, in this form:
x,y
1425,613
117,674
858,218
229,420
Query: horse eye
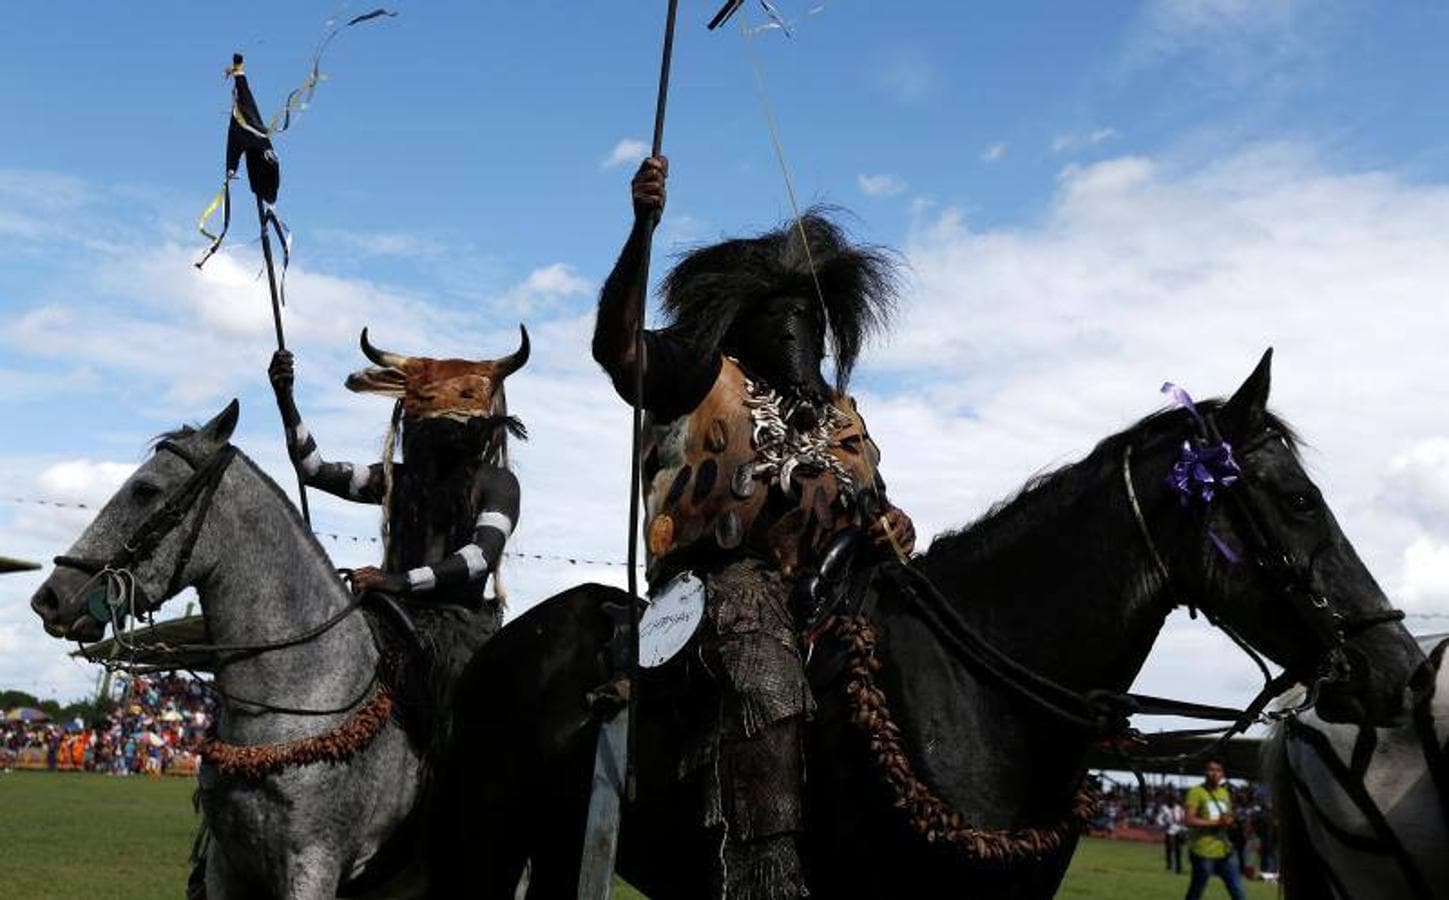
x,y
1299,501
144,491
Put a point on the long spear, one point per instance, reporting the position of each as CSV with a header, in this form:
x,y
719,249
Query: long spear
x,y
613,776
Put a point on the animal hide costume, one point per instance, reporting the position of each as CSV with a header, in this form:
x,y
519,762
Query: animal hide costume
x,y
752,464
452,502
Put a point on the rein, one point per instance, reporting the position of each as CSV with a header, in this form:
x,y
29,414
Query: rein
x,y
197,493
1102,713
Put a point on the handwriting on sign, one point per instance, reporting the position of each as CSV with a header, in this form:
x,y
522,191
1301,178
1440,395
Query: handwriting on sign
x,y
660,627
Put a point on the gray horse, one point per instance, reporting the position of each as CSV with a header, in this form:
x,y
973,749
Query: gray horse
x,y
1364,810
308,777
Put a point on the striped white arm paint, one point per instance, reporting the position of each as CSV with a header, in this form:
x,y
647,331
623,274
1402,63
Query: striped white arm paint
x,y
472,556
357,478
497,521
311,464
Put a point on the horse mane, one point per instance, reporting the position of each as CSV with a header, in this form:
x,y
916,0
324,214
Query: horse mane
x,y
1047,493
175,434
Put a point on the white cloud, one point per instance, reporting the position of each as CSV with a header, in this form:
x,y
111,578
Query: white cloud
x,y
882,185
380,243
1186,20
544,288
1426,575
84,480
680,229
994,153
628,152
1068,141
1238,40
1417,484
909,77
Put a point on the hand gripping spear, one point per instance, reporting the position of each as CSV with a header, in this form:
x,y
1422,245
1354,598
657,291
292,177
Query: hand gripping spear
x,y
613,775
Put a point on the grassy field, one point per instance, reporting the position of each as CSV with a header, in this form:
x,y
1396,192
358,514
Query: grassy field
x,y
98,838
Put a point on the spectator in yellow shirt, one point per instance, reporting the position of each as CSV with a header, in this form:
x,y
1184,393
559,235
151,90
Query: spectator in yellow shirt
x,y
1208,811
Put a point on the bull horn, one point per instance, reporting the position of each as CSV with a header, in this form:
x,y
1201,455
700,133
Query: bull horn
x,y
515,361
382,357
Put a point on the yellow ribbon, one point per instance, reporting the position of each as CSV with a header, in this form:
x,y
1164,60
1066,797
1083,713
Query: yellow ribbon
x,y
211,211
890,534
223,200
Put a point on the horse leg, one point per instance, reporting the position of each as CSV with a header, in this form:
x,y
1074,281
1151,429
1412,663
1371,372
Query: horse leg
x,y
311,873
558,825
223,880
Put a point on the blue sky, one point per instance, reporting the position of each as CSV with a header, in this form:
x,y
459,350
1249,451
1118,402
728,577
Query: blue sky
x,y
1091,199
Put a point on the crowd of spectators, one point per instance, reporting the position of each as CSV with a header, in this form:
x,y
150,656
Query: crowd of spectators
x,y
1123,814
154,728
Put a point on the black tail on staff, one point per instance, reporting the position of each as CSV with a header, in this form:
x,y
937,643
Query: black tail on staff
x,y
249,138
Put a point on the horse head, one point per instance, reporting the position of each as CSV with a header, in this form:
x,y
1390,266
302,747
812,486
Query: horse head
x,y
137,553
1265,559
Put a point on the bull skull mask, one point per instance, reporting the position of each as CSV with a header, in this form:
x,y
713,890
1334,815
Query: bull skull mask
x,y
457,389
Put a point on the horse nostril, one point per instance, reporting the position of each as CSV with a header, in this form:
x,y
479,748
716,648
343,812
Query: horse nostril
x,y
45,602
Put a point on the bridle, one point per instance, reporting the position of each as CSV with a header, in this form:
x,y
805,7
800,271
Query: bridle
x,y
1105,713
1285,575
197,491
193,496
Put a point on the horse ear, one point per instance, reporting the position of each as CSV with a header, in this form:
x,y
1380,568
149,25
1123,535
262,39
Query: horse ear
x,y
219,429
1243,413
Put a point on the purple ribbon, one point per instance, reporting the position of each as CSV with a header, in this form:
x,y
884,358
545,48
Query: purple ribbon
x,y
1200,472
1203,469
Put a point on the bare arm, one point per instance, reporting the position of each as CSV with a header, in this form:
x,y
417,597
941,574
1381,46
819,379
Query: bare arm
x,y
351,482
622,298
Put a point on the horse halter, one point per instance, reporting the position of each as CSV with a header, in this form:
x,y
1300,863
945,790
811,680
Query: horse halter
x,y
197,491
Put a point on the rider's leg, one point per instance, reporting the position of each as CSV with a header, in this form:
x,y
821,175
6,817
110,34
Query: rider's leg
x,y
757,781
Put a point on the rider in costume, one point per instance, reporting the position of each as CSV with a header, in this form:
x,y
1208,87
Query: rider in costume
x,y
452,502
448,508
752,465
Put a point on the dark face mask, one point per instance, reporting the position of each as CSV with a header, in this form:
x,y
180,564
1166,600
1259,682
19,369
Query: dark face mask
x,y
443,443
782,342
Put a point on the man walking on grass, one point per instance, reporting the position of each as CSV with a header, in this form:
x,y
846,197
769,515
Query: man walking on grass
x,y
1209,817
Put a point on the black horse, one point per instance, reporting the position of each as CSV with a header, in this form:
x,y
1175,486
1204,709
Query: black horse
x,y
1072,579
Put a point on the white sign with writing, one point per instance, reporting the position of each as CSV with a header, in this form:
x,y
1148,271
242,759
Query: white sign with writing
x,y
671,619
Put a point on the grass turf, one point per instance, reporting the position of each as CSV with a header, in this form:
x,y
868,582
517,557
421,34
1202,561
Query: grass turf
x,y
78,835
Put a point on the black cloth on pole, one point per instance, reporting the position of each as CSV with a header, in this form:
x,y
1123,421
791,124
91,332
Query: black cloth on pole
x,y
248,137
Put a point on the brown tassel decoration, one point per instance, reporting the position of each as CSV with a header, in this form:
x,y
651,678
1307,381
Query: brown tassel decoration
x,y
335,746
927,814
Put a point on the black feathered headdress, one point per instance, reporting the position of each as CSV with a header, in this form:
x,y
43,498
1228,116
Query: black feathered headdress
x,y
711,286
